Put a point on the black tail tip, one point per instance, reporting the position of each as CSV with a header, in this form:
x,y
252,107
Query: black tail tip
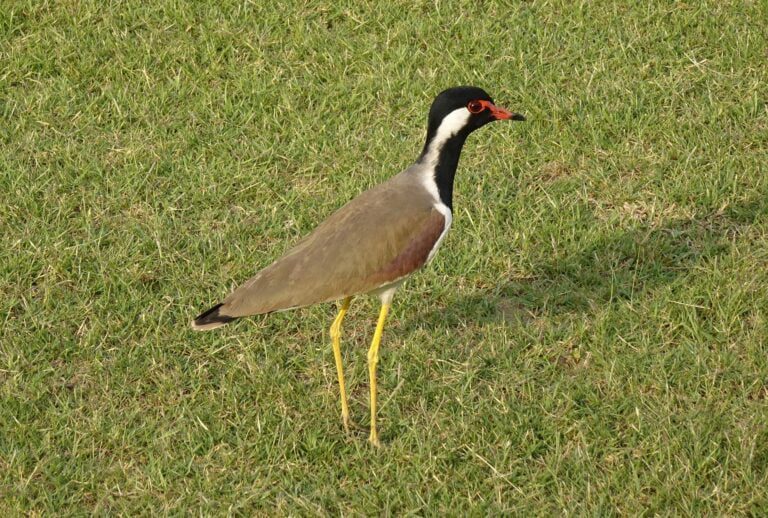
x,y
211,319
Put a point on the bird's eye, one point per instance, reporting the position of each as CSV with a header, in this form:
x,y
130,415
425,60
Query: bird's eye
x,y
475,107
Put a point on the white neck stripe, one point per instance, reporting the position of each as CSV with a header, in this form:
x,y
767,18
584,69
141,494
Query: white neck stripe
x,y
449,126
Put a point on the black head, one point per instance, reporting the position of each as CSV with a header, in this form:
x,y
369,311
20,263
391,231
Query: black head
x,y
455,113
475,109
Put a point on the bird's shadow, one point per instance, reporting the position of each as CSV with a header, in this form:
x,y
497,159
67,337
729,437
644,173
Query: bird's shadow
x,y
623,265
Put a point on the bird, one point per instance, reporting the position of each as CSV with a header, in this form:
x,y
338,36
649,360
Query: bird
x,y
373,242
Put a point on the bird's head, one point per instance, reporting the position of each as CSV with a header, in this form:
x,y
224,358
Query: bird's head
x,y
465,109
457,112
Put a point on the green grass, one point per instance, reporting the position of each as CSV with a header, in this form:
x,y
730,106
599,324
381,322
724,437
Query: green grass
x,y
592,338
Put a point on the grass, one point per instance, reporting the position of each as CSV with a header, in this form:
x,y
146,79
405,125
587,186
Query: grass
x,y
591,340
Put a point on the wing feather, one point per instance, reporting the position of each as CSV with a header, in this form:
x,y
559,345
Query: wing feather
x,y
379,237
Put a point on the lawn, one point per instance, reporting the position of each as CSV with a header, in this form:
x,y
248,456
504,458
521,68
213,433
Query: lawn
x,y
591,339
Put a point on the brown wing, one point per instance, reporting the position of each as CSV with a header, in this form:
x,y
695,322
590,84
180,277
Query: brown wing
x,y
379,237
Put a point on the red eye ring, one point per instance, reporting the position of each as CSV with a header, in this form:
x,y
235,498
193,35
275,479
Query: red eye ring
x,y
475,107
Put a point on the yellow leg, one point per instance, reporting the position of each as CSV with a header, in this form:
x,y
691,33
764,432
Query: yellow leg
x,y
373,360
336,339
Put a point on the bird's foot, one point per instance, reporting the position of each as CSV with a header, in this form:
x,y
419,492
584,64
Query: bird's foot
x,y
348,424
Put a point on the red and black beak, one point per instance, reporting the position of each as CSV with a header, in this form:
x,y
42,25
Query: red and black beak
x,y
501,114
498,113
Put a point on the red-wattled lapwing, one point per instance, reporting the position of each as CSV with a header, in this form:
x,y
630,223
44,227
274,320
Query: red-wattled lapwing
x,y
375,241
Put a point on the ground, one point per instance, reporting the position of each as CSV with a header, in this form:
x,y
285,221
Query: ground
x,y
592,337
